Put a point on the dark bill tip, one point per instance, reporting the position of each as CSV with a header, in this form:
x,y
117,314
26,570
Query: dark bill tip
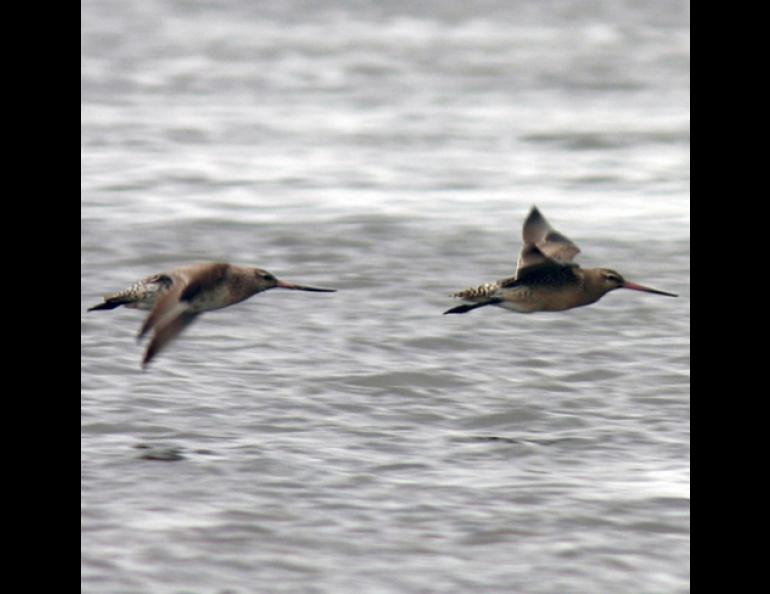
x,y
636,287
285,285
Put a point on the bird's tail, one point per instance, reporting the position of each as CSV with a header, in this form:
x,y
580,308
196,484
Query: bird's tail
x,y
109,304
461,309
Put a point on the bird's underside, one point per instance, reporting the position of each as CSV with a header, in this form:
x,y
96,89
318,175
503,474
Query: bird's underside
x,y
525,293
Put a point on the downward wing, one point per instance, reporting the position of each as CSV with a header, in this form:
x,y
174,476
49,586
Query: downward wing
x,y
166,332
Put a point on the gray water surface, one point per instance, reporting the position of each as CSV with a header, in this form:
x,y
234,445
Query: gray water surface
x,y
360,441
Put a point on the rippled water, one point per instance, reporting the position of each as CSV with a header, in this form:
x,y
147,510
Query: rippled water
x,y
361,441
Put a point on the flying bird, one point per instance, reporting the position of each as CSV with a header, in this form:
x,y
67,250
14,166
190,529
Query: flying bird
x,y
176,298
546,278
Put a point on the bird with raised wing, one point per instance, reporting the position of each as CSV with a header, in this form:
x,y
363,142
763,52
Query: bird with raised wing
x,y
546,278
176,298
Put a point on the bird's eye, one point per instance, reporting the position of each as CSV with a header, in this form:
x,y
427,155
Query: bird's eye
x,y
269,277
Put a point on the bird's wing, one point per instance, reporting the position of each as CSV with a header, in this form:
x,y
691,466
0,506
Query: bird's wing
x,y
168,306
202,279
172,312
543,244
165,332
550,273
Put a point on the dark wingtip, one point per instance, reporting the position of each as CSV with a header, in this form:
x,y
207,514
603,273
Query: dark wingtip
x,y
149,354
534,216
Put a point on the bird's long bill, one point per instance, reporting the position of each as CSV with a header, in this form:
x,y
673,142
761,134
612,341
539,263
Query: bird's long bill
x,y
285,285
635,287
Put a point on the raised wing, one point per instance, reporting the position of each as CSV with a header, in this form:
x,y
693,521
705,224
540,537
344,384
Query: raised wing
x,y
543,245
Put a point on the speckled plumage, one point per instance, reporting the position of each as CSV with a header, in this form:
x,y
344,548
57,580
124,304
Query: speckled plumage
x,y
546,278
175,299
140,295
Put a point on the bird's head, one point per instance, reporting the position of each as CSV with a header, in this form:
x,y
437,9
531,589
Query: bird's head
x,y
610,280
267,280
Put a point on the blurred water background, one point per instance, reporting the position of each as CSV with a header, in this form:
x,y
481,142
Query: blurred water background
x,y
360,441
